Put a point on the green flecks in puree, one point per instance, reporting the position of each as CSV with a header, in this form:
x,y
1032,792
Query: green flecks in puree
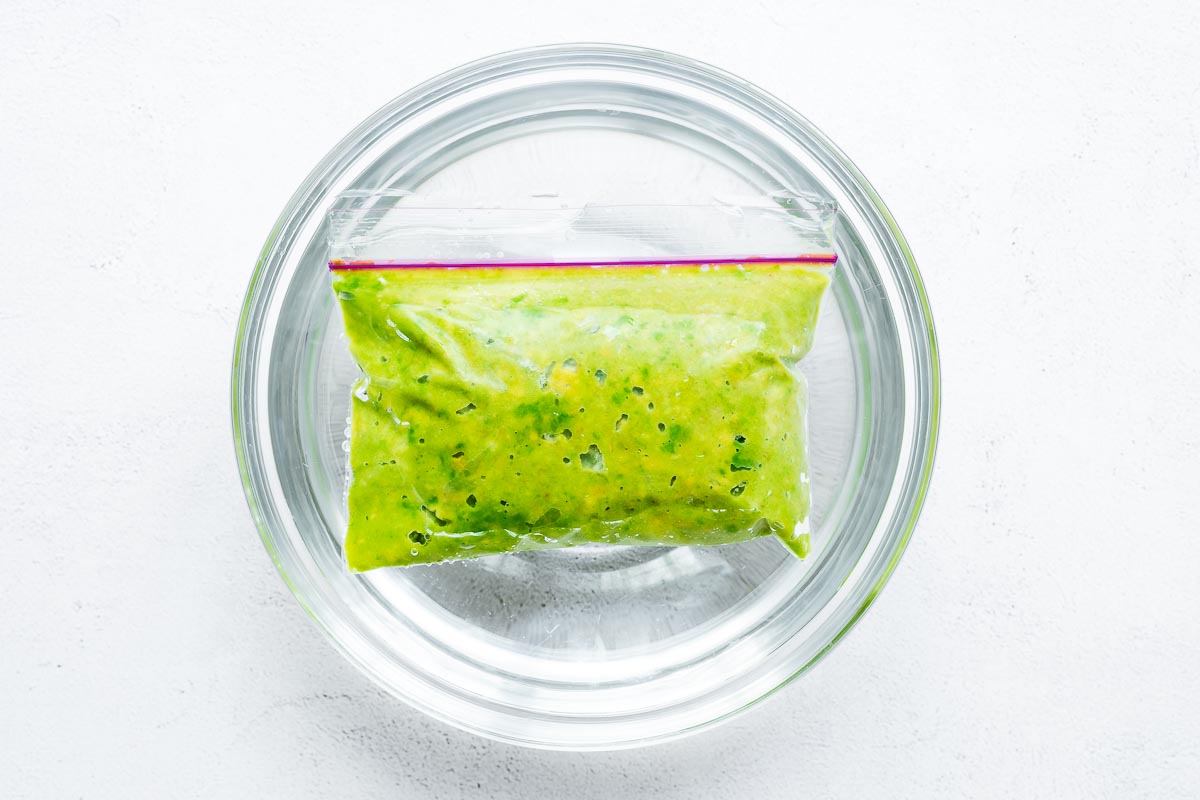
x,y
515,409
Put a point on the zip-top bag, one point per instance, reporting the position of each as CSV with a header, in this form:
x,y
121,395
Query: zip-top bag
x,y
553,376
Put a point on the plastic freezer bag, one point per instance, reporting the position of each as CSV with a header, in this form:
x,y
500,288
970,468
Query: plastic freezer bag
x,y
521,405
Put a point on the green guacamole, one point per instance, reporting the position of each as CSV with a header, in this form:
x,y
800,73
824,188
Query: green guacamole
x,y
505,409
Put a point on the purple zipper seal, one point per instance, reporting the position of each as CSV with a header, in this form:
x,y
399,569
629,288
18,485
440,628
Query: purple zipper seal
x,y
655,262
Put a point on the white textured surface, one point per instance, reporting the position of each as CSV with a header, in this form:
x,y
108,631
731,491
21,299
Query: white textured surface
x,y
1041,637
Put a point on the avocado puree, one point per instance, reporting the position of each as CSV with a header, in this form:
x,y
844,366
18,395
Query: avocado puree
x,y
506,409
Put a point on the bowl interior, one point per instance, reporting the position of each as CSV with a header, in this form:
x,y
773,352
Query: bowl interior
x,y
637,642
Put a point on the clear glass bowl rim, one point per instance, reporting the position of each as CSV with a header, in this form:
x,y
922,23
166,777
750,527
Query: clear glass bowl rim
x,y
250,327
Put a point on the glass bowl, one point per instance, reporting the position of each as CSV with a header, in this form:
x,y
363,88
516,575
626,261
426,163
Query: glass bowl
x,y
592,647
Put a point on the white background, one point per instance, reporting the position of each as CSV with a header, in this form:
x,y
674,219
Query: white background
x,y
1042,635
